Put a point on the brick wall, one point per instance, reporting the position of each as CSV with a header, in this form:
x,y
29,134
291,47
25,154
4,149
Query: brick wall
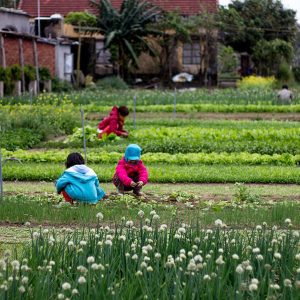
x,y
46,53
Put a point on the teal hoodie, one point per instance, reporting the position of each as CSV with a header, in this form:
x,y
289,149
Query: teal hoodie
x,y
81,184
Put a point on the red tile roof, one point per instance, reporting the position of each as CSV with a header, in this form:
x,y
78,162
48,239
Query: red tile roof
x,y
63,7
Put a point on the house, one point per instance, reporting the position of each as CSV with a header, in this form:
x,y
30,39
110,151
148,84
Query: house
x,y
18,45
96,60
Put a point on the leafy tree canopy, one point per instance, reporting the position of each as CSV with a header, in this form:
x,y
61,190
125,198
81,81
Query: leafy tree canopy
x,y
81,19
126,30
244,23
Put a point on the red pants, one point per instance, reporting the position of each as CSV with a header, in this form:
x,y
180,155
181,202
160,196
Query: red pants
x,y
67,197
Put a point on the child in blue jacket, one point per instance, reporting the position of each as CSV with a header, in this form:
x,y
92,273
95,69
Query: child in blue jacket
x,y
79,182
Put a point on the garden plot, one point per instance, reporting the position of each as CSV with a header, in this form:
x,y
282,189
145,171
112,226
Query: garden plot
x,y
145,258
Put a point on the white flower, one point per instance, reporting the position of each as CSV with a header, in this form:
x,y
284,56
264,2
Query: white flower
x,y
249,268
94,267
75,292
219,260
152,212
256,250
24,280
157,255
129,223
235,256
192,266
139,273
82,269
45,231
122,238
66,286
149,269
254,281
297,256
22,289
143,265
52,263
156,217
218,223
141,214
70,243
90,259
181,230
108,242
206,277
135,257
99,216
297,284
27,224
239,269
221,250
253,287
81,280
287,282
259,257
258,227
82,243
277,255
15,264
287,221
198,258
177,236
274,286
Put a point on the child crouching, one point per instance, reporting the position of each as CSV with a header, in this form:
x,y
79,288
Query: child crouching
x,y
79,182
130,173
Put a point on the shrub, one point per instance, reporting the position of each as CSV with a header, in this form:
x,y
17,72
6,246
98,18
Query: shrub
x,y
284,72
250,82
113,82
60,86
296,73
29,72
15,72
44,73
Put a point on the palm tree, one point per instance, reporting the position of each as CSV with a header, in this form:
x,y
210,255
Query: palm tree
x,y
126,31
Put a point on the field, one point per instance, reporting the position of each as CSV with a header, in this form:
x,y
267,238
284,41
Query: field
x,y
220,215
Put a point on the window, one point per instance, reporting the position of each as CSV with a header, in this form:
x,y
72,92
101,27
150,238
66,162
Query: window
x,y
191,53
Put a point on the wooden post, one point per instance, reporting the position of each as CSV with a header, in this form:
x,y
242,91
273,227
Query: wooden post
x,y
83,134
78,60
134,112
36,64
21,54
2,48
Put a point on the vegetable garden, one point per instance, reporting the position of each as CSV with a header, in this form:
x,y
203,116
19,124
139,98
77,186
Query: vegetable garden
x,y
172,242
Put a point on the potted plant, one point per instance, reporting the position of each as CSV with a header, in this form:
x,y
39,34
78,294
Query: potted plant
x,y
2,79
16,78
30,79
45,78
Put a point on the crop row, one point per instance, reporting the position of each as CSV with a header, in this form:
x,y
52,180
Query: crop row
x,y
217,108
193,140
164,173
154,261
152,97
94,156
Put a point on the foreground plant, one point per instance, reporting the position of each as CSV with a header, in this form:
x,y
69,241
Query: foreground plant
x,y
148,260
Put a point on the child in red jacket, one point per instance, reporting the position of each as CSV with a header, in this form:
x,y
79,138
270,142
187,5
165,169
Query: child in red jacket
x,y
114,123
130,173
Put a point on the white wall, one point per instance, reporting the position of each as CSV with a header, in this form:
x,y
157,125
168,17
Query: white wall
x,y
61,51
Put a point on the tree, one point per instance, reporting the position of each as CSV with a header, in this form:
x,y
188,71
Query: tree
x,y
204,27
126,30
270,56
172,29
244,23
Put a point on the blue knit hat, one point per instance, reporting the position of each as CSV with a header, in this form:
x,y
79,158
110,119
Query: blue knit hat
x,y
133,152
